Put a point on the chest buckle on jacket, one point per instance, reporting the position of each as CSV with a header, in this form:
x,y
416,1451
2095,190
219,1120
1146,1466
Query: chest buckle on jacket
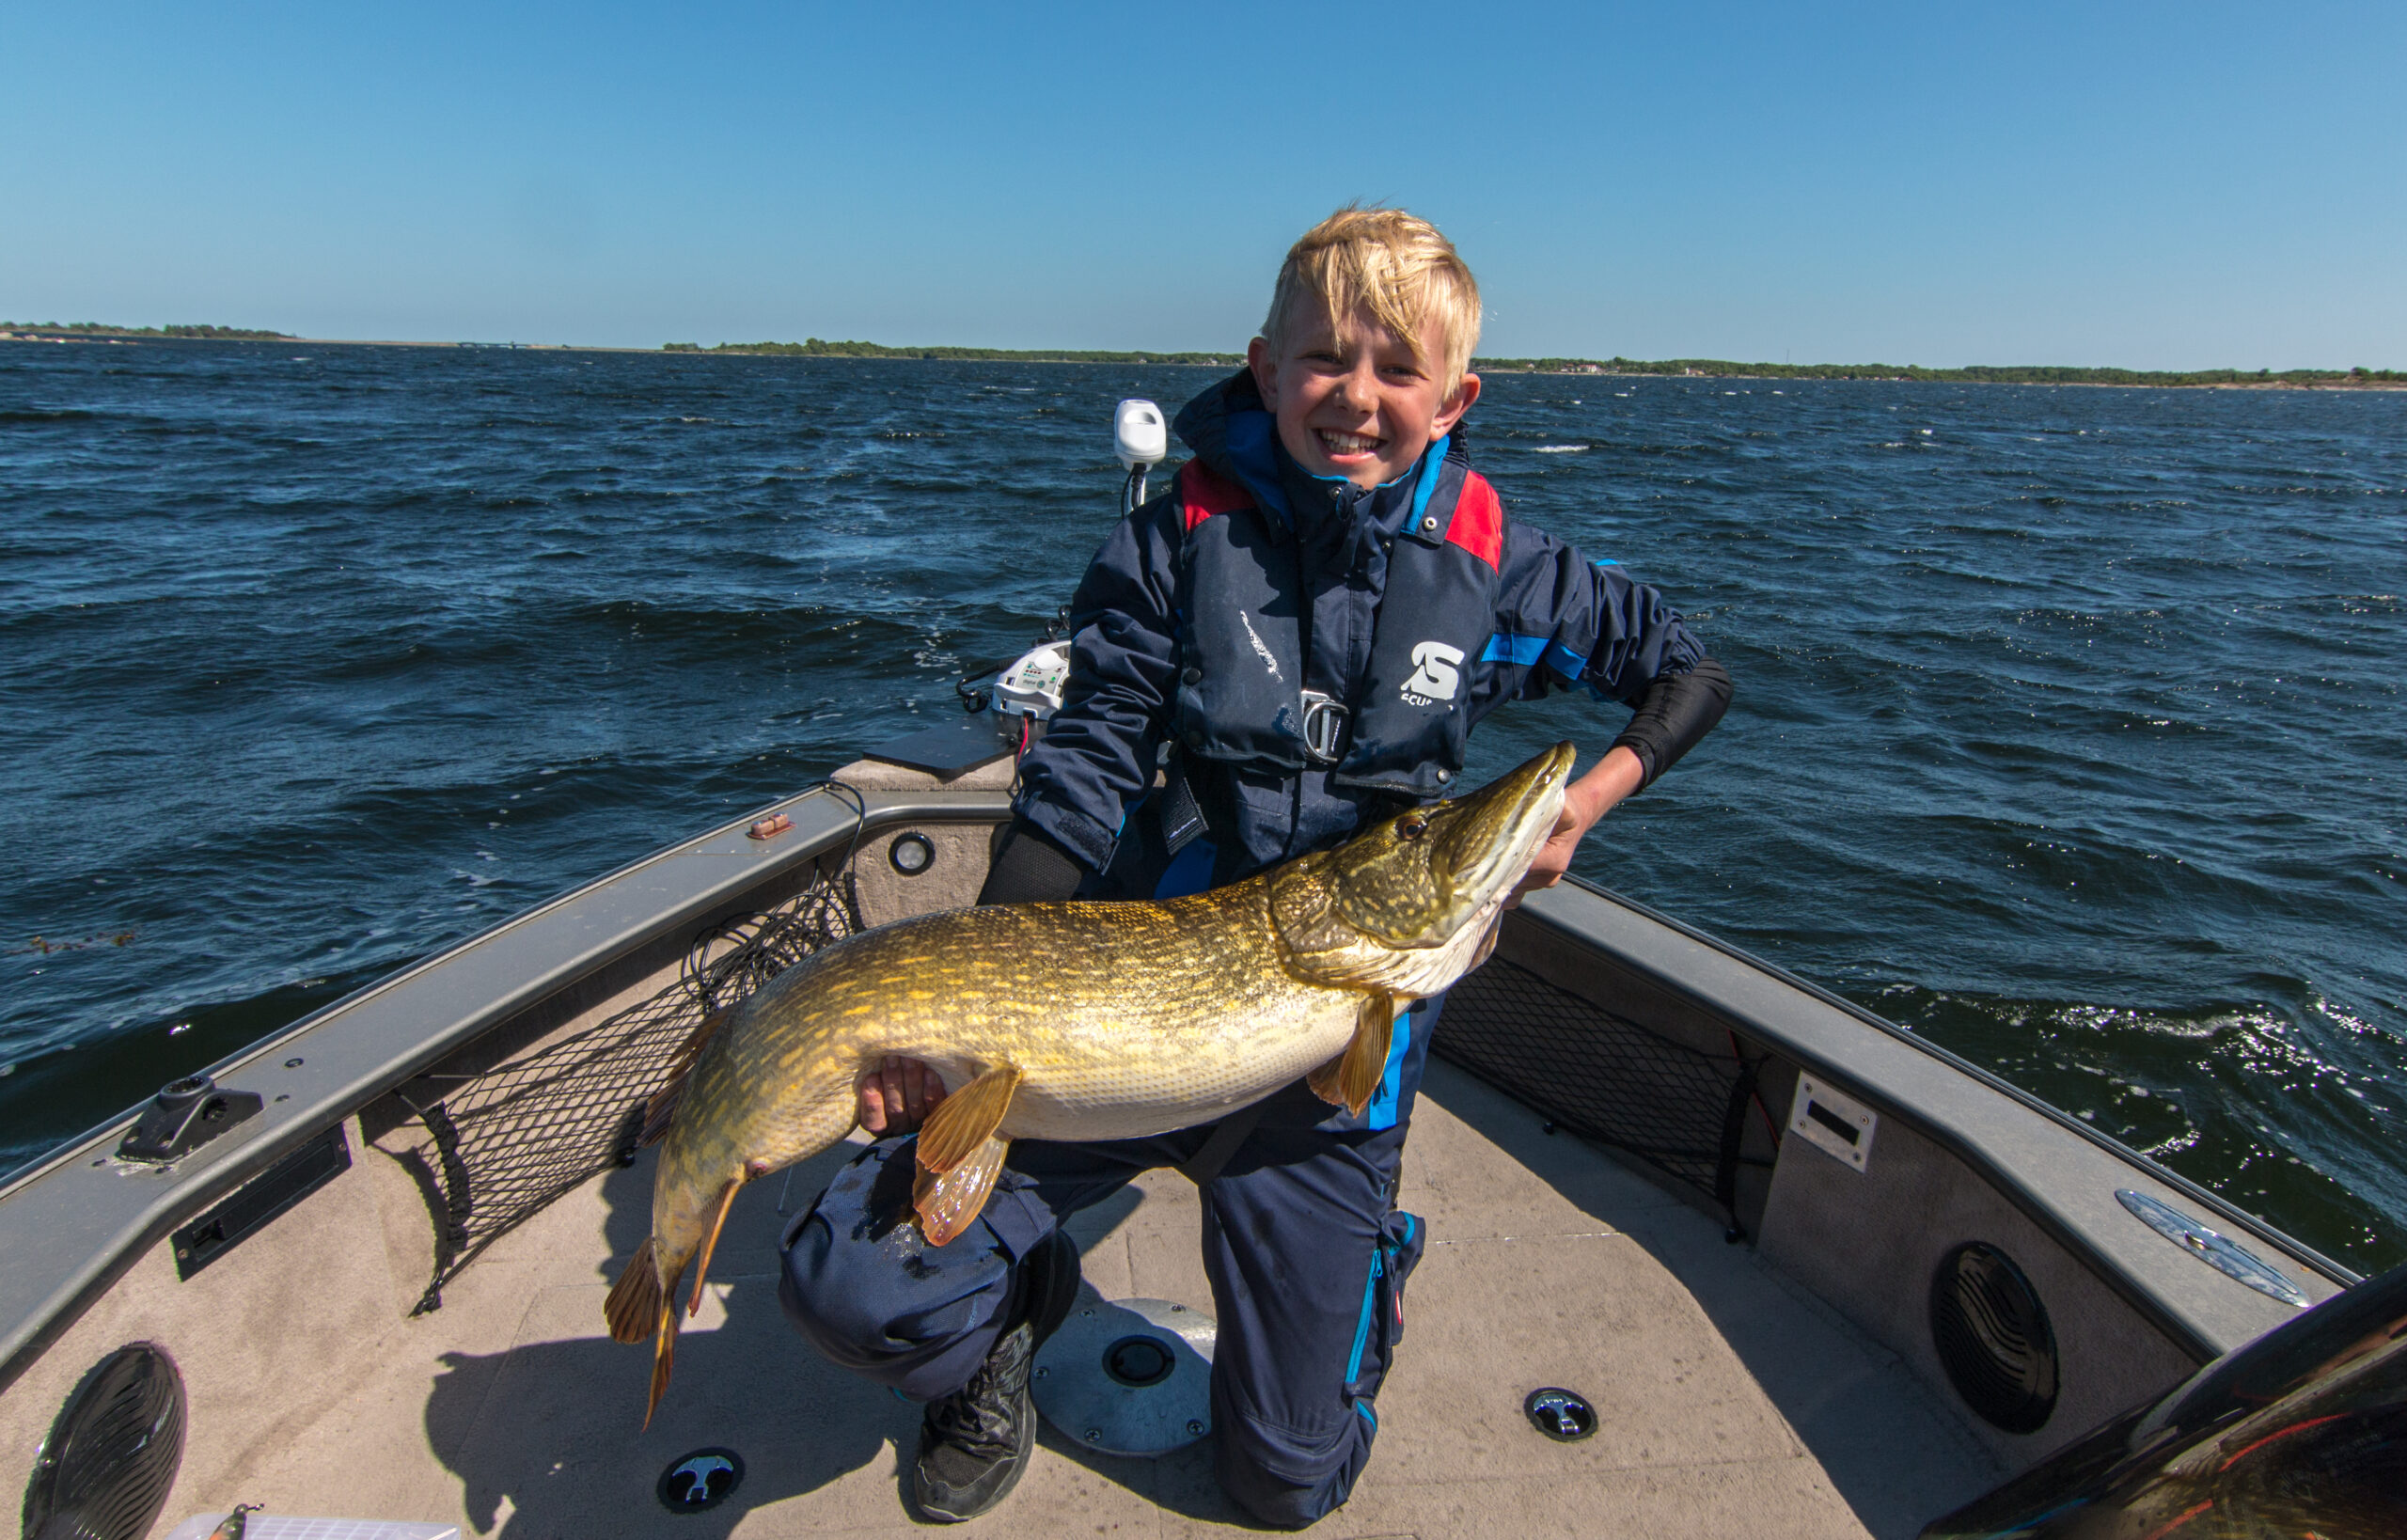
x,y
1324,728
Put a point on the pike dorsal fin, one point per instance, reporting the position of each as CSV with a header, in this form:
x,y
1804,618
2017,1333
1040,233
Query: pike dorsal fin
x,y
960,1154
1348,1079
948,1202
662,1108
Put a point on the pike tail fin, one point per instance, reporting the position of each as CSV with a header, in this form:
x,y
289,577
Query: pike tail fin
x,y
634,1306
1349,1079
641,1306
664,1353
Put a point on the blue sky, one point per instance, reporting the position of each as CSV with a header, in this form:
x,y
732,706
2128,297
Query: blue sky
x,y
2159,185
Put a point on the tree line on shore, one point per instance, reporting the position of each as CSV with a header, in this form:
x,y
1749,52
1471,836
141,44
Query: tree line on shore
x,y
96,328
1708,368
1976,373
814,348
1718,368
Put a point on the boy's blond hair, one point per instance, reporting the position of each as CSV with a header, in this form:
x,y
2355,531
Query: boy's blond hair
x,y
1395,264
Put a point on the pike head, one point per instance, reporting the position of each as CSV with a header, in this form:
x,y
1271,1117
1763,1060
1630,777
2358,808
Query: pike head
x,y
1411,904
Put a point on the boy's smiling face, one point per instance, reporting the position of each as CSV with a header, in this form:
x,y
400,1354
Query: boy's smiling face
x,y
1351,399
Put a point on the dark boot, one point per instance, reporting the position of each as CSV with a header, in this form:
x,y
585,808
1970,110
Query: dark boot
x,y
975,1443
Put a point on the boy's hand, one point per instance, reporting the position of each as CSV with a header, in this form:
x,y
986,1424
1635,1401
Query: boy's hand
x,y
1584,801
898,1095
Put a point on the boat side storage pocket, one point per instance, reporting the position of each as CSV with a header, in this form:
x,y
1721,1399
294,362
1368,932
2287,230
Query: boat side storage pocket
x,y
1401,1238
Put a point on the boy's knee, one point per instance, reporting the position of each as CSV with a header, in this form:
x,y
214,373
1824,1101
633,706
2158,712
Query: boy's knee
x,y
1280,1480
863,1290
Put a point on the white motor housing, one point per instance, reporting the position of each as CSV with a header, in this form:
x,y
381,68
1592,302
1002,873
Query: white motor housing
x,y
1032,686
1139,434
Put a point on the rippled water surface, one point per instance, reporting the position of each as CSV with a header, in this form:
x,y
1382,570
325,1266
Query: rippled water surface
x,y
2069,728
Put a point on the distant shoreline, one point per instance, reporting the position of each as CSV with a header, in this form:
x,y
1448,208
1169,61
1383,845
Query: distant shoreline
x,y
1704,369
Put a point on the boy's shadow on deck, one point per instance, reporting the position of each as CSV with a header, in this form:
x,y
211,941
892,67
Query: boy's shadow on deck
x,y
547,1438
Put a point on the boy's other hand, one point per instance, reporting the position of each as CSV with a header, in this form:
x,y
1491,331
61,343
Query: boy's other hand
x,y
1584,801
898,1095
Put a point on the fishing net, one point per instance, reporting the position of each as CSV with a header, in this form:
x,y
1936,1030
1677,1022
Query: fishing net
x,y
506,1140
1603,1077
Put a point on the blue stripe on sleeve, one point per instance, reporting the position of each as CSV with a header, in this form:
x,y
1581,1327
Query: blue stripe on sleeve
x,y
1505,647
1563,661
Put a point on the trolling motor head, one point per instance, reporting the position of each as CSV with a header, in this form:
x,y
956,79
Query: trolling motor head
x,y
1142,438
1139,434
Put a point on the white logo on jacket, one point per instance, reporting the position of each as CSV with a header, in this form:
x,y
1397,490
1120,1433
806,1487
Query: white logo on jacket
x,y
1434,675
1255,637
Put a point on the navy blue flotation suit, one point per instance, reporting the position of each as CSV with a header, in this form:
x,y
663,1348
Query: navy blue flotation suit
x,y
1242,695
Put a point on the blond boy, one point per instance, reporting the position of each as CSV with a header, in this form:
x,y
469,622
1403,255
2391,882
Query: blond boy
x,y
1311,620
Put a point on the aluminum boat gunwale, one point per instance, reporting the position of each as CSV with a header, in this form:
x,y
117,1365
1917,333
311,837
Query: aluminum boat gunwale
x,y
2141,1256
56,1258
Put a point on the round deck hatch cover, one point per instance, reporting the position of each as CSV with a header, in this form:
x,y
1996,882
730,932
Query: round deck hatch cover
x,y
1564,1416
1993,1338
105,1470
699,1481
1128,1377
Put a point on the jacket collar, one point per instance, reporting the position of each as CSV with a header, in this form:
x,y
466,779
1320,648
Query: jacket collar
x,y
1232,432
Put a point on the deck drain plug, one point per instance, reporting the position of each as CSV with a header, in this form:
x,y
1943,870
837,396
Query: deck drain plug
x,y
700,1479
1564,1416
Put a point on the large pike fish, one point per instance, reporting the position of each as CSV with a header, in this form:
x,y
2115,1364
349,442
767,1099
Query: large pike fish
x,y
1081,1021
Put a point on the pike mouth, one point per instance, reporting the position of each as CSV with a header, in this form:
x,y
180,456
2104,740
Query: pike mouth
x,y
1495,843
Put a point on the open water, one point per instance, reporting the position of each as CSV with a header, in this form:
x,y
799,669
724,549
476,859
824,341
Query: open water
x,y
2068,726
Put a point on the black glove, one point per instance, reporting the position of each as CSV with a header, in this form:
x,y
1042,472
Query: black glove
x,y
1031,868
1676,712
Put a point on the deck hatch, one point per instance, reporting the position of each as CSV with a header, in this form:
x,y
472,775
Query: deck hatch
x,y
261,1199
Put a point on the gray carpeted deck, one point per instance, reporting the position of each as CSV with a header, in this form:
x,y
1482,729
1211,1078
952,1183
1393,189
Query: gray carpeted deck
x,y
1732,1404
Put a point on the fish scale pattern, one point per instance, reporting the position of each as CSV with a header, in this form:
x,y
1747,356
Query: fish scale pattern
x,y
506,1141
1601,1075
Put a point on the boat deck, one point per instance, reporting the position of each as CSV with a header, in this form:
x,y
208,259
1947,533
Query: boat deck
x,y
1731,1403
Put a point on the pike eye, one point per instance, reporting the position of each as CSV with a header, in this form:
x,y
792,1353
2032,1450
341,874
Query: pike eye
x,y
1412,828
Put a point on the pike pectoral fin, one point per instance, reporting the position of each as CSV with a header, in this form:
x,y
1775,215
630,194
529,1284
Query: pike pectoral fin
x,y
1487,942
1348,1079
960,1154
947,1202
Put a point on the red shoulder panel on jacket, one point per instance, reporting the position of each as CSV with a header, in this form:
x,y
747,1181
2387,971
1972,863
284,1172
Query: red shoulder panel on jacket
x,y
1205,492
1479,520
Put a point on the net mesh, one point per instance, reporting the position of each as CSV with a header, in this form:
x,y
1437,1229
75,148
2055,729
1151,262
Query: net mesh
x,y
508,1141
1601,1076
